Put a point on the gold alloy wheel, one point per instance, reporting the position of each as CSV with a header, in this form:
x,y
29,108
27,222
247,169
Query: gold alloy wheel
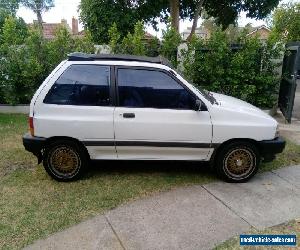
x,y
239,162
64,161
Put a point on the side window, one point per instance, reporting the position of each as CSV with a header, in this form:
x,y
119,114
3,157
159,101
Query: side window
x,y
86,85
152,89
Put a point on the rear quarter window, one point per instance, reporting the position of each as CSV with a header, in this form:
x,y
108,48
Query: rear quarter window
x,y
86,85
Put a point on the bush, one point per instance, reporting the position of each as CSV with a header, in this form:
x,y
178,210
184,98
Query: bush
x,y
246,72
134,44
170,42
14,70
27,58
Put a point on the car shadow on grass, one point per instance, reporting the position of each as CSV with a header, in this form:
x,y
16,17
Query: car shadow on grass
x,y
151,167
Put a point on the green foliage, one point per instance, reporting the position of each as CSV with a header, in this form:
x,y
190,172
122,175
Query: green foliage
x,y
27,58
9,6
286,23
20,25
84,44
136,44
64,44
137,39
170,43
227,11
60,46
132,44
114,38
247,73
99,15
13,68
153,47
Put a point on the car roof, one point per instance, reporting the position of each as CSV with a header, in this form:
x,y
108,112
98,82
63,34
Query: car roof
x,y
112,57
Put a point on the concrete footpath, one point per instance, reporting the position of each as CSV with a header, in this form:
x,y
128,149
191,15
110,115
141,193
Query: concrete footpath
x,y
196,217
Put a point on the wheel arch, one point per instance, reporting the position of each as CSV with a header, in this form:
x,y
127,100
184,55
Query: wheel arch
x,y
66,138
223,144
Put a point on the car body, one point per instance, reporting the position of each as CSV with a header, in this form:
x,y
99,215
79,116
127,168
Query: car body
x,y
137,108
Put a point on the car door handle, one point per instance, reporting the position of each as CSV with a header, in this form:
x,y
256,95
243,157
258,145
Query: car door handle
x,y
129,115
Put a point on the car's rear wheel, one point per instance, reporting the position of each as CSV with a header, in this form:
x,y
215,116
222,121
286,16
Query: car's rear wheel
x,y
65,160
237,161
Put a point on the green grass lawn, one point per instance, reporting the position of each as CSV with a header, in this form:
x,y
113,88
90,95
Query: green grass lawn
x,y
293,227
32,205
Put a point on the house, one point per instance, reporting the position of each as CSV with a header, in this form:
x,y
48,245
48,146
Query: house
x,y
148,37
262,32
201,32
50,28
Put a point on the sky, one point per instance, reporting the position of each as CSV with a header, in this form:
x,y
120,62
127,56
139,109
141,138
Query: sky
x,y
66,9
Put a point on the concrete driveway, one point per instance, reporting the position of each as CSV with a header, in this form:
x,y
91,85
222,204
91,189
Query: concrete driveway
x,y
196,217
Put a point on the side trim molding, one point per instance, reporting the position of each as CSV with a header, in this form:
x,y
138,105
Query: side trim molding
x,y
151,144
99,143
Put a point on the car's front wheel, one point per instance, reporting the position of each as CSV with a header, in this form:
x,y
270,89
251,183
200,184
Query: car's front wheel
x,y
65,160
237,161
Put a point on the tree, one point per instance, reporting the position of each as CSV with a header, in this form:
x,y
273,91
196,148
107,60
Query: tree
x,y
9,6
286,23
99,15
20,24
38,7
225,12
174,13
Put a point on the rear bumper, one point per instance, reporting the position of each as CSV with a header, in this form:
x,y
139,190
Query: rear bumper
x,y
271,147
33,144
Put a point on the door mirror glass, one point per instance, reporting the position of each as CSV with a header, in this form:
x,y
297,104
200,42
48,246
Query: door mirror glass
x,y
198,105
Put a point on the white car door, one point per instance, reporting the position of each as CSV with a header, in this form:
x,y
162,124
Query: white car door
x,y
77,103
156,118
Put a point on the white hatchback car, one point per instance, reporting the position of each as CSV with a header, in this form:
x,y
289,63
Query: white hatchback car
x,y
94,107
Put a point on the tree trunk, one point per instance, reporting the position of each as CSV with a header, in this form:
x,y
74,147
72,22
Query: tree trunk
x,y
39,17
196,18
174,9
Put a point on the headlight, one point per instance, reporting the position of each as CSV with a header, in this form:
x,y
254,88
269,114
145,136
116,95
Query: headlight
x,y
277,131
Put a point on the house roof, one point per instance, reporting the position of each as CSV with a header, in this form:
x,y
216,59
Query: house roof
x,y
49,29
255,29
148,36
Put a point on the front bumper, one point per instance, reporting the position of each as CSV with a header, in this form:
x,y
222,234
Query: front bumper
x,y
33,144
271,147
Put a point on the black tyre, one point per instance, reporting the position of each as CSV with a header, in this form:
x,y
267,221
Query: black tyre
x,y
237,162
65,160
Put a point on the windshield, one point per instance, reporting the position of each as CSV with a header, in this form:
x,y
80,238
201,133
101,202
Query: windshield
x,y
205,93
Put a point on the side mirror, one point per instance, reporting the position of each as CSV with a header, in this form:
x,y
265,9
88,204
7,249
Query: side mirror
x,y
198,105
